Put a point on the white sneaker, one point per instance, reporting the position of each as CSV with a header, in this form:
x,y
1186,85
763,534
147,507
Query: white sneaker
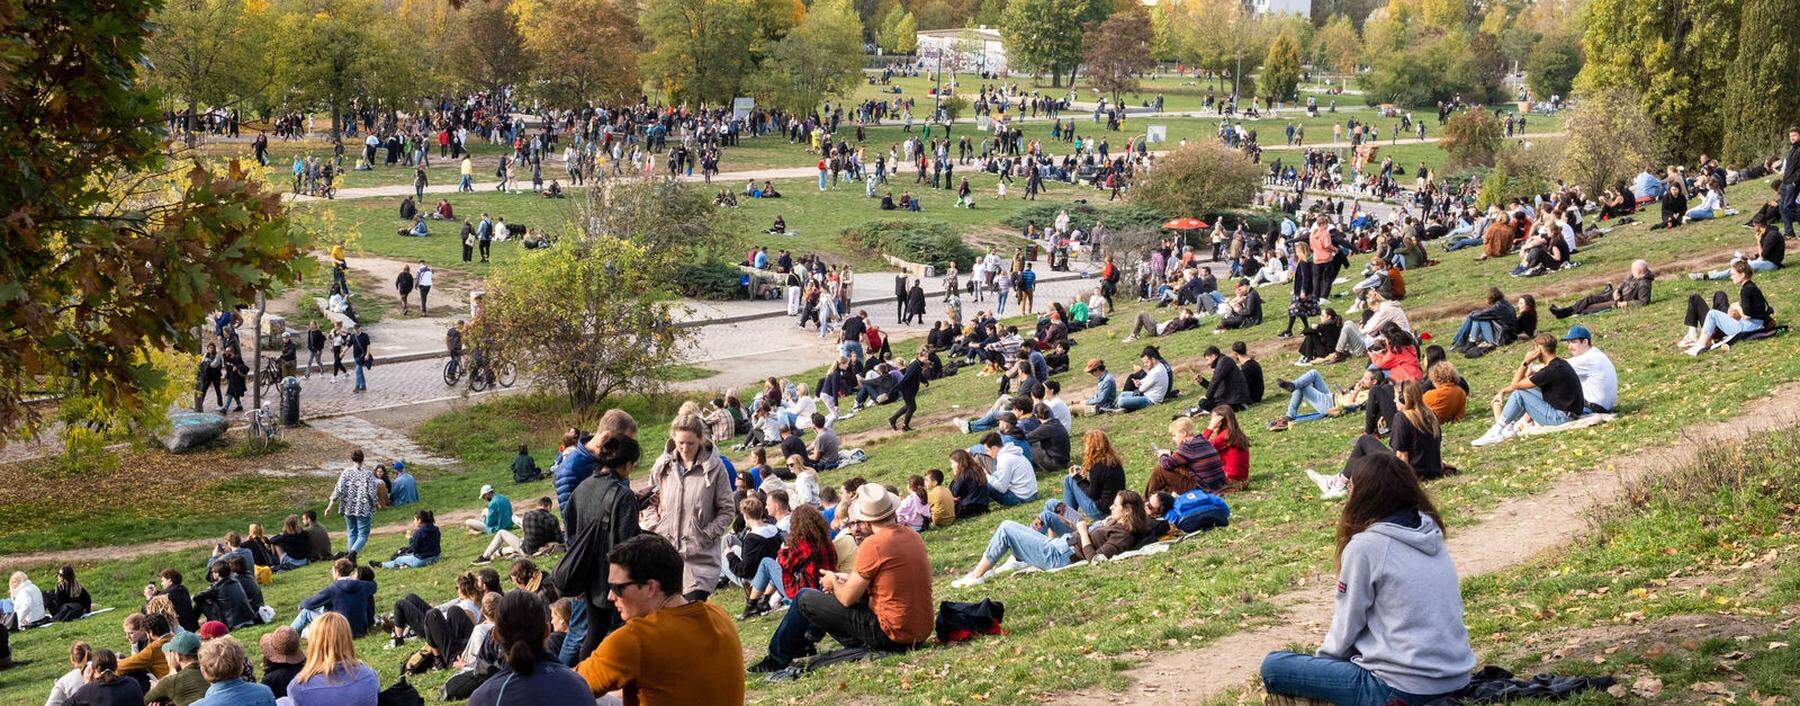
x,y
967,580
1495,434
1319,479
1696,349
962,424
1339,487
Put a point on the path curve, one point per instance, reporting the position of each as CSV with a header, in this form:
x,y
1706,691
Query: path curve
x,y
1506,536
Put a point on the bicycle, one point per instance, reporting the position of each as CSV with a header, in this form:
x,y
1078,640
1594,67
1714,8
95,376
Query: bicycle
x,y
264,430
453,370
484,375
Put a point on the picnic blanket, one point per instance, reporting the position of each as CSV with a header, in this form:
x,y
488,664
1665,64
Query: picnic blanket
x,y
1529,428
1014,566
851,457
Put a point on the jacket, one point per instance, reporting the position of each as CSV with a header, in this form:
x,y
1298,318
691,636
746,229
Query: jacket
x,y
1012,473
1049,445
694,509
351,598
1227,386
1108,539
1399,611
1500,312
1193,464
602,510
1106,396
1635,291
800,565
231,600
576,465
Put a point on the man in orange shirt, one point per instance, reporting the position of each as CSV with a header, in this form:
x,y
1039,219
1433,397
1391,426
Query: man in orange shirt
x,y
885,604
1324,257
670,651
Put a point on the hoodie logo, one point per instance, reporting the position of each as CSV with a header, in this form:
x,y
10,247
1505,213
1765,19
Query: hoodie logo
x,y
1342,588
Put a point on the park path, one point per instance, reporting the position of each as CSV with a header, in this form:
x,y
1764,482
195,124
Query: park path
x,y
1506,536
731,179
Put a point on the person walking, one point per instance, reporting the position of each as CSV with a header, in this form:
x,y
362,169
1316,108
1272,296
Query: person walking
x,y
423,283
361,356
315,349
468,241
420,181
468,175
236,380
355,498
404,283
694,503
211,375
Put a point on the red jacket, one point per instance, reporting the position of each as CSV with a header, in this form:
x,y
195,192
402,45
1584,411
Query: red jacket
x,y
1401,364
800,565
1235,459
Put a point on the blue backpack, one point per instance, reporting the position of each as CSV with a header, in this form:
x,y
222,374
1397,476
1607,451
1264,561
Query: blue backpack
x,y
1198,511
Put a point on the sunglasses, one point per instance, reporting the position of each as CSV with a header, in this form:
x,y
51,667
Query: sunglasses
x,y
618,589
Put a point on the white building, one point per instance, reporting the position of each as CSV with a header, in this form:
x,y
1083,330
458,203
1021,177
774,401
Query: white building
x,y
963,50
1303,8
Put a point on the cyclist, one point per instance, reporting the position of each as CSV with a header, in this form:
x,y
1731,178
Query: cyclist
x,y
453,343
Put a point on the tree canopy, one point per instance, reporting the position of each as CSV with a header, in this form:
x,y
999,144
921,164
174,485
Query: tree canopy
x,y
1199,178
1118,50
1045,36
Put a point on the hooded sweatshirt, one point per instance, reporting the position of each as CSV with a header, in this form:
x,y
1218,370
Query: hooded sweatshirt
x,y
1012,473
1399,608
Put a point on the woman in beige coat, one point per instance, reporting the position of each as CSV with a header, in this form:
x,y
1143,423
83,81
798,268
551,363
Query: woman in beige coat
x,y
694,508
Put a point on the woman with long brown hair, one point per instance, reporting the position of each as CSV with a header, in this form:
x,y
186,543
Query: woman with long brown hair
x,y
1399,606
1090,486
1415,432
807,551
969,485
1223,432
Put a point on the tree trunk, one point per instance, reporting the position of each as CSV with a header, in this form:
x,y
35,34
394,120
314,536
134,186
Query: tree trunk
x,y
337,119
1055,77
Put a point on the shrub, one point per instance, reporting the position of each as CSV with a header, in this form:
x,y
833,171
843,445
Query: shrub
x,y
1200,178
1472,139
711,279
928,242
1083,216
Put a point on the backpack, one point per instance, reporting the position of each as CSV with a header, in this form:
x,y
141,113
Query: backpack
x,y
1198,511
958,621
400,694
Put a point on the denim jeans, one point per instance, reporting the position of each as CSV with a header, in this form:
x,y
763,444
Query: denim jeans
x,y
1311,389
1472,330
1530,401
984,423
362,383
1000,303
1370,282
357,527
1456,244
768,573
1132,401
1009,498
1338,681
1756,265
1078,499
408,561
305,618
289,562
570,655
851,349
1028,545
1721,323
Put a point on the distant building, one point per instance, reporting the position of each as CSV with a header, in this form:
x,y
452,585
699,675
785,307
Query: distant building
x,y
971,50
1302,8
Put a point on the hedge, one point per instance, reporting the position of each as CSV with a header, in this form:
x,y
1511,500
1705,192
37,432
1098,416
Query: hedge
x,y
709,279
932,243
1083,216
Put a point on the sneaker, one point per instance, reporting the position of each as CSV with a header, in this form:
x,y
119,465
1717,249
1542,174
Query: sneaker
x,y
374,564
482,560
1284,385
967,581
962,424
1335,487
1696,349
1696,276
768,665
1319,479
1303,363
1495,434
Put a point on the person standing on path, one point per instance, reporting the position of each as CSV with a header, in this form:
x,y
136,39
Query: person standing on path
x,y
354,497
420,181
915,303
315,349
900,298
404,283
694,504
361,356
484,235
468,175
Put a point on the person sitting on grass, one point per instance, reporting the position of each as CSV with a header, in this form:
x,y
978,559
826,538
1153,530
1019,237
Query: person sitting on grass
x,y
148,634
1146,326
181,602
1544,387
1599,379
884,603
346,595
806,551
969,484
1125,528
222,664
1012,480
103,685
1106,391
915,508
497,516
1353,340
332,674
1193,463
224,600
528,675
1488,325
524,467
1414,433
670,650
1446,397
1153,387
1771,252
1089,486
539,534
422,545
1223,432
1716,328
70,600
1634,290
1397,632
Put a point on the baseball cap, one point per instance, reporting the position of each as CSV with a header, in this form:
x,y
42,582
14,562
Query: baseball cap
x,y
399,465
1578,332
186,643
485,489
213,629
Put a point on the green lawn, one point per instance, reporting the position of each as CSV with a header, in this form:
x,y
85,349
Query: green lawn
x,y
1080,628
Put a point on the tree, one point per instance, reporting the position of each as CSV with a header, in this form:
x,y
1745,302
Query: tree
x,y
1551,68
329,53
1223,37
597,313
1762,85
819,58
1336,46
1044,36
1675,67
1200,178
1118,50
581,50
1472,139
1426,71
934,14
200,53
1281,70
112,254
1610,139
900,32
488,52
701,48
990,13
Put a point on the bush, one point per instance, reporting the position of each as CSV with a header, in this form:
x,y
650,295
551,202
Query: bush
x,y
713,280
932,243
1473,138
1083,216
1198,179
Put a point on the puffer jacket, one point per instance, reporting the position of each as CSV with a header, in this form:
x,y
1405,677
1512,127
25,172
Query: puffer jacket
x,y
693,510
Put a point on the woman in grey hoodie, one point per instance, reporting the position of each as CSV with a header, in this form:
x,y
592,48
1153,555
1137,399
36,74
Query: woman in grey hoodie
x,y
1398,630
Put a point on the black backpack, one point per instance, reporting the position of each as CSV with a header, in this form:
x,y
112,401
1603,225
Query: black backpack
x,y
400,694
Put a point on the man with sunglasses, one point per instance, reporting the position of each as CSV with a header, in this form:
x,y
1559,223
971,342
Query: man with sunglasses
x,y
884,604
670,650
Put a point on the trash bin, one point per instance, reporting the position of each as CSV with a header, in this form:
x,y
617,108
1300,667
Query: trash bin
x,y
1031,251
290,401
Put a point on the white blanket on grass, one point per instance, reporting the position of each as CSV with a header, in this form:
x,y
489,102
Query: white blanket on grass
x,y
1013,565
1581,422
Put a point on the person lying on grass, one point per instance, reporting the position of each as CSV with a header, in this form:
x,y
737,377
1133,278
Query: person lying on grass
x,y
1633,290
1126,527
1397,633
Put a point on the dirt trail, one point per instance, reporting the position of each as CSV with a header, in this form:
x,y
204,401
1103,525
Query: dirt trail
x,y
1510,534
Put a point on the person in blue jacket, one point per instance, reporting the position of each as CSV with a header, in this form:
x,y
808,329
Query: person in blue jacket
x,y
346,595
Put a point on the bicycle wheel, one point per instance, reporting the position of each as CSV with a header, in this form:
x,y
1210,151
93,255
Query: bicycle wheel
x,y
509,374
452,372
478,379
258,439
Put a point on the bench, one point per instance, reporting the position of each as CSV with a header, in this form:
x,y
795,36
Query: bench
x,y
335,317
